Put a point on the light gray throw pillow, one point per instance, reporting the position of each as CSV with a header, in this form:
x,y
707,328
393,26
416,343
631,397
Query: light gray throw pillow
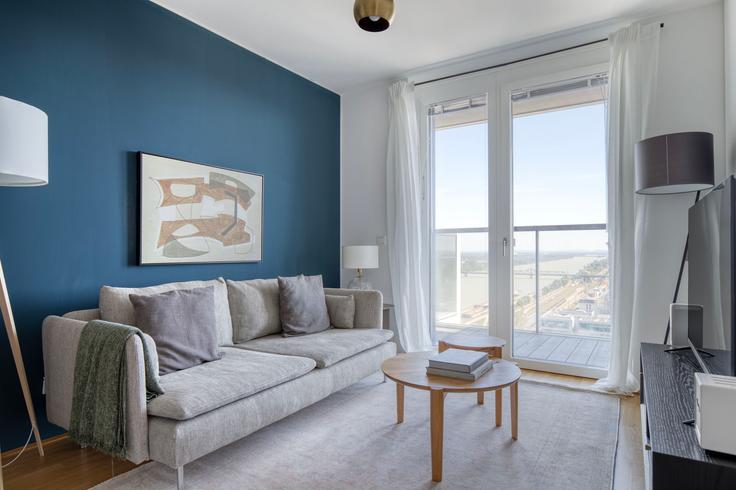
x,y
341,310
302,305
182,324
254,308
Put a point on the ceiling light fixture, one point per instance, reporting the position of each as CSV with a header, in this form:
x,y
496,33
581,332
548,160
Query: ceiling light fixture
x,y
374,15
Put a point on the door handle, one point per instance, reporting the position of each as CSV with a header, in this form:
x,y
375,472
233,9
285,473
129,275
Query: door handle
x,y
505,245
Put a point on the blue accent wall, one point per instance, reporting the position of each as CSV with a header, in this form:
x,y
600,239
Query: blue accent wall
x,y
120,76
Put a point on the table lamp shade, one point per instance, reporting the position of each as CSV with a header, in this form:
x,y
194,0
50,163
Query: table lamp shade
x,y
24,152
360,257
674,163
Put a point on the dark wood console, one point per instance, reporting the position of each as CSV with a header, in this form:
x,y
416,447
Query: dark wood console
x,y
673,457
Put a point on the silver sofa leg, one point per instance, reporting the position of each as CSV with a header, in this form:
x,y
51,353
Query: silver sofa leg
x,y
180,478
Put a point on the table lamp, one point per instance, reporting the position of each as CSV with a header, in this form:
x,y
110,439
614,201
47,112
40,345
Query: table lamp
x,y
23,163
674,164
360,257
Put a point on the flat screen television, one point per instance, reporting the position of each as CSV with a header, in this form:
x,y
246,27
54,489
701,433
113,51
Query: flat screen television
x,y
711,261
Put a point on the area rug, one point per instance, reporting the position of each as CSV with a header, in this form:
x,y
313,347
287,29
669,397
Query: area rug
x,y
567,440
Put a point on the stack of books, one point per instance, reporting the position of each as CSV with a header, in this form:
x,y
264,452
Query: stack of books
x,y
460,364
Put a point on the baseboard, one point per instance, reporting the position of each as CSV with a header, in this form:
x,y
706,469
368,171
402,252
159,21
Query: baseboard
x,y
11,453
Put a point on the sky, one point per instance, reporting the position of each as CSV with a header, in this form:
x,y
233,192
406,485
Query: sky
x,y
558,177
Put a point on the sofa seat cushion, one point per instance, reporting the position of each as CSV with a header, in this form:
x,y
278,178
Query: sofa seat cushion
x,y
326,348
238,374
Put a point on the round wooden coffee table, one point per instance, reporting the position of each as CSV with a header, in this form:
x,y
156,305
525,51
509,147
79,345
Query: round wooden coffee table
x,y
410,370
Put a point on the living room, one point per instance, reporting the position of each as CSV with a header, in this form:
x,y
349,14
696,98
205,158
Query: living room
x,y
368,244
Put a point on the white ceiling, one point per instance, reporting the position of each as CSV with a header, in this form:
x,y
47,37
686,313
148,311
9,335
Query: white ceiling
x,y
319,39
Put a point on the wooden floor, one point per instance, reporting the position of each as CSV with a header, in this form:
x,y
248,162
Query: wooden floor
x,y
69,467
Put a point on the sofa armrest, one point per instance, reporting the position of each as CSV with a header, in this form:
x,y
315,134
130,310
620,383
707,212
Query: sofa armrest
x,y
60,344
368,306
84,315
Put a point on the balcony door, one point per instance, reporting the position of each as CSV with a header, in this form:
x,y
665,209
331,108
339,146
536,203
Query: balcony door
x,y
460,187
516,210
561,310
459,135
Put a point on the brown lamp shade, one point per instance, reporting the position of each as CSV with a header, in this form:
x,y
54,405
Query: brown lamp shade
x,y
674,163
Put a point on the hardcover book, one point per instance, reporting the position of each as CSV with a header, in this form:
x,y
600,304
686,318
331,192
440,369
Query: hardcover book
x,y
463,361
471,376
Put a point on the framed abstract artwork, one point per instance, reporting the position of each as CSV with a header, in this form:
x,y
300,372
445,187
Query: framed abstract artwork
x,y
192,213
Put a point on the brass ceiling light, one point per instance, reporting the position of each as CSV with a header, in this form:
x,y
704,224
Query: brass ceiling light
x,y
374,15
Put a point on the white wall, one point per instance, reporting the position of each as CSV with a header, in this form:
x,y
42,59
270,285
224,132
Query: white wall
x,y
363,173
690,96
729,22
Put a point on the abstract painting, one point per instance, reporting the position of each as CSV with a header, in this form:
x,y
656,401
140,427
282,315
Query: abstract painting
x,y
195,213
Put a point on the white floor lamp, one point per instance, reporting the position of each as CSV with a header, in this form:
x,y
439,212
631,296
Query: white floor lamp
x,y
23,163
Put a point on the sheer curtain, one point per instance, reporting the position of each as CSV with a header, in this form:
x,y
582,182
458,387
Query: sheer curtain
x,y
403,193
632,80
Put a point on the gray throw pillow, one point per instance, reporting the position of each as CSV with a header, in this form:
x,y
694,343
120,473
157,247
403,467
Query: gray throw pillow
x,y
341,310
182,323
254,308
302,305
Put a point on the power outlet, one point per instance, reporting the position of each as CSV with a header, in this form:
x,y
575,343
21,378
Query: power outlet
x,y
381,240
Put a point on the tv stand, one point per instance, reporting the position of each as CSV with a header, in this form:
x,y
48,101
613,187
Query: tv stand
x,y
673,459
683,349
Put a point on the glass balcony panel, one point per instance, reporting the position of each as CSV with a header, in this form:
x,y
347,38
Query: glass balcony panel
x,y
524,281
461,280
573,283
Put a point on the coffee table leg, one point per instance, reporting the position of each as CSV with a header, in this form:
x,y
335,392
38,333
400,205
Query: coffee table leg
x,y
515,411
399,403
437,420
481,397
499,407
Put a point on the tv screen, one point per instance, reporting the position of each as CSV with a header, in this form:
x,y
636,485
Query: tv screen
x,y
710,271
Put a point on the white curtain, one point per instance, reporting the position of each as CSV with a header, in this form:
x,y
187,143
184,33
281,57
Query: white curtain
x,y
404,198
632,81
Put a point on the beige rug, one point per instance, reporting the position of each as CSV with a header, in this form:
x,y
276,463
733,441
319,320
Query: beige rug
x,y
567,440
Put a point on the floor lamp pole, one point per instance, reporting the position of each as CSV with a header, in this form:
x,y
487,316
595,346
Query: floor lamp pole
x,y
679,275
18,356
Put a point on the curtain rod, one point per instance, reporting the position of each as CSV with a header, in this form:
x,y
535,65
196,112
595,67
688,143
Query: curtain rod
x,y
500,65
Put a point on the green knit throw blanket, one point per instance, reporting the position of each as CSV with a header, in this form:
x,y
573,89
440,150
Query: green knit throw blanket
x,y
99,400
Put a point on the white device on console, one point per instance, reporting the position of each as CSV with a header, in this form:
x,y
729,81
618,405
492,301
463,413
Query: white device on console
x,y
715,404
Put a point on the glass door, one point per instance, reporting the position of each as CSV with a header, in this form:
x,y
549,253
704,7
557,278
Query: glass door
x,y
515,209
458,151
561,309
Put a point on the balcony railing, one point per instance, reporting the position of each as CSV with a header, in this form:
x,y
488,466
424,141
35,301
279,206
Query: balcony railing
x,y
560,278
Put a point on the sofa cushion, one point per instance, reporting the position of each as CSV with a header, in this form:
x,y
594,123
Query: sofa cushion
x,y
302,305
254,308
182,324
326,348
115,305
238,374
341,310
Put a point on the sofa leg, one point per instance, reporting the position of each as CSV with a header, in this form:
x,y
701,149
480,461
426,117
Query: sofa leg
x,y
384,378
180,478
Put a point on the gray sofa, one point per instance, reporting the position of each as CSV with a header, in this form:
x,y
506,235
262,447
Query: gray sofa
x,y
257,382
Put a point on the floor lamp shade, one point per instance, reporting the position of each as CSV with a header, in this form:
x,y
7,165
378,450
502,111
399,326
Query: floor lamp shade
x,y
24,160
674,163
24,153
